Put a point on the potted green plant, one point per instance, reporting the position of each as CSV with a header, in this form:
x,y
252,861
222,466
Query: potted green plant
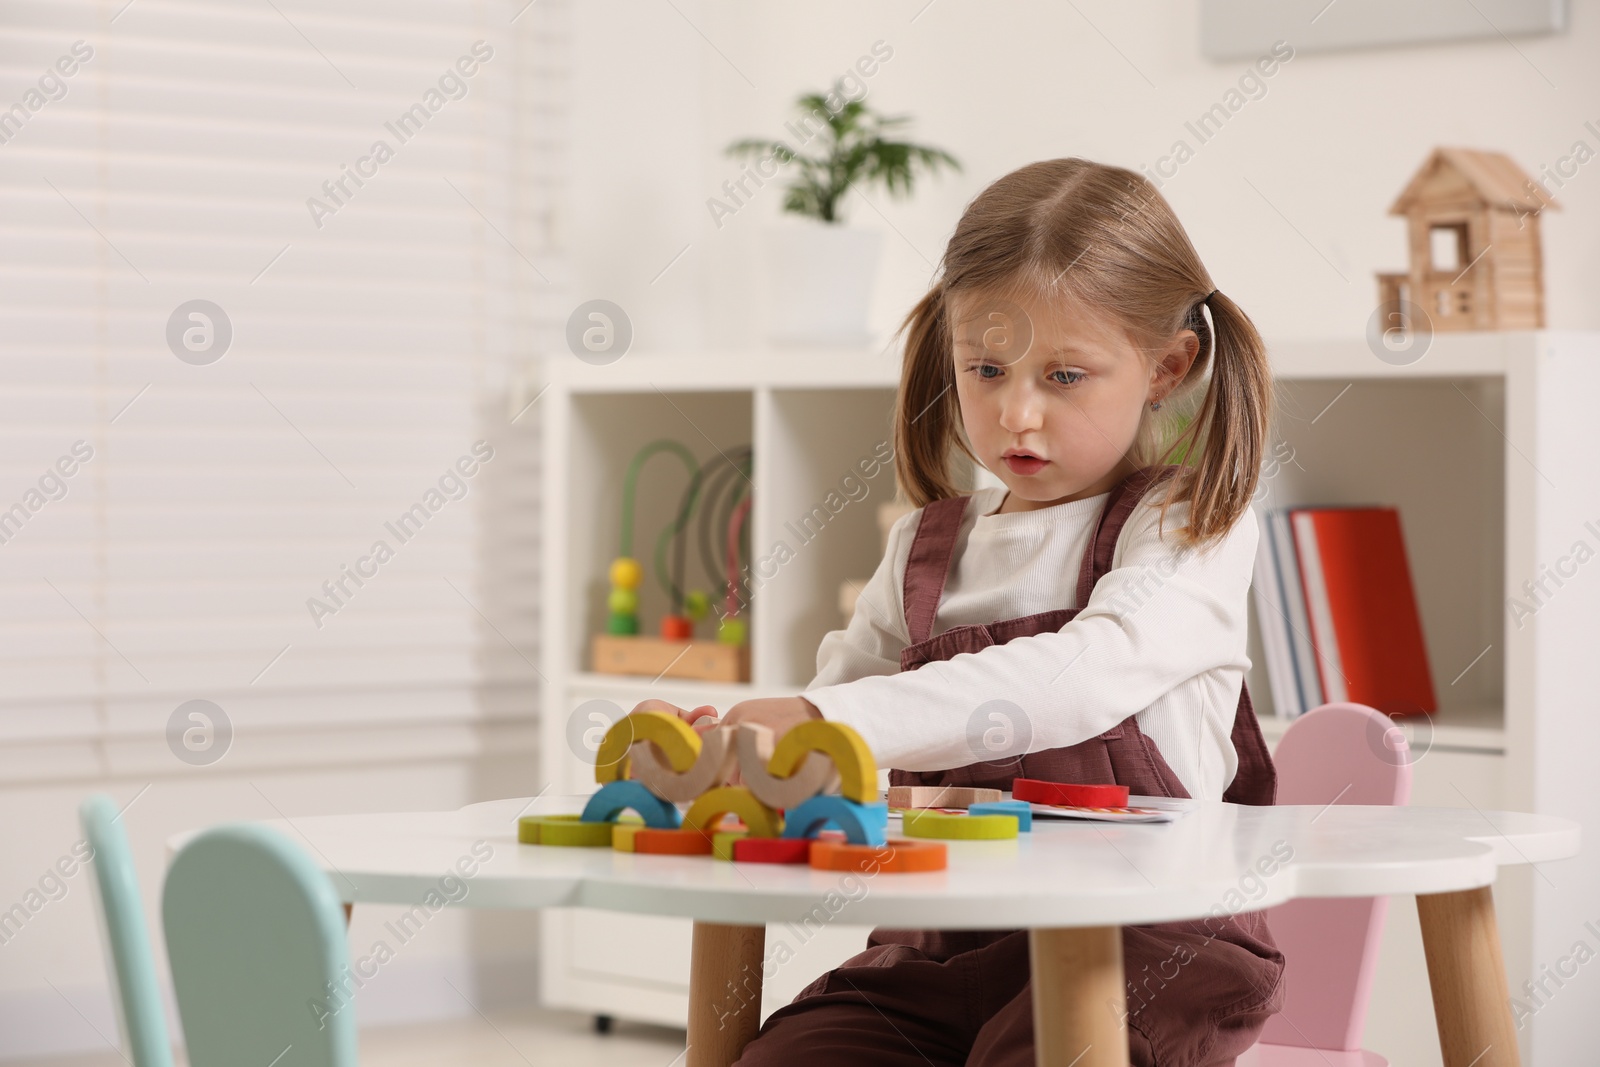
x,y
821,271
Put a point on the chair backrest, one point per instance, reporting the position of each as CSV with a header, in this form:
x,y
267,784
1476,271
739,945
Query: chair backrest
x,y
135,987
256,939
1334,754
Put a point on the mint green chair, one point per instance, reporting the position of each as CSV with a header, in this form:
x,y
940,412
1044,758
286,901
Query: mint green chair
x,y
135,988
256,939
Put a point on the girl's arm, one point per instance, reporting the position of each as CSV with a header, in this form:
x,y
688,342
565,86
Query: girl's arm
x,y
871,643
1159,618
868,646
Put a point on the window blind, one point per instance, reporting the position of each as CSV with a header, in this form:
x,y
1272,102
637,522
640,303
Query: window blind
x,y
266,268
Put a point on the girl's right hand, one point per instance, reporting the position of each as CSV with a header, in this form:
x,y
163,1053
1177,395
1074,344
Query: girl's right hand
x,y
701,718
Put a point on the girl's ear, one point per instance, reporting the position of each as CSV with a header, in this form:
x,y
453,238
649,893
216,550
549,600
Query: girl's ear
x,y
1174,364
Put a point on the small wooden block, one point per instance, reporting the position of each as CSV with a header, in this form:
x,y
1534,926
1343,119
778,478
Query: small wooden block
x,y
816,775
858,771
707,811
1019,808
710,770
863,824
567,833
672,842
705,660
1070,794
940,796
772,850
896,856
723,843
675,739
943,827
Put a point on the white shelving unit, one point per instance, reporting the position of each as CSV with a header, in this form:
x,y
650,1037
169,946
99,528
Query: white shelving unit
x,y
1477,443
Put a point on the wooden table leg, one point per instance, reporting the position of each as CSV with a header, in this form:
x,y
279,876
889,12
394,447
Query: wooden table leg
x,y
724,992
1079,1000
1470,1001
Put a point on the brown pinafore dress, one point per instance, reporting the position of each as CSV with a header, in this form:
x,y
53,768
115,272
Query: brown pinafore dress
x,y
1199,991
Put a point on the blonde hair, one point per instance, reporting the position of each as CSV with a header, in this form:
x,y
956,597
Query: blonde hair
x,y
1103,235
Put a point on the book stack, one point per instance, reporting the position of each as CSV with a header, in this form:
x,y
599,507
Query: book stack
x,y
1338,612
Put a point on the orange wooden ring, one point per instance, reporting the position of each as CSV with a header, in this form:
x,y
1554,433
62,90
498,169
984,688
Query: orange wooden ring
x,y
898,856
672,842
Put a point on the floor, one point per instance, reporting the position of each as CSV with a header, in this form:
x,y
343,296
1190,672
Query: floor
x,y
538,1037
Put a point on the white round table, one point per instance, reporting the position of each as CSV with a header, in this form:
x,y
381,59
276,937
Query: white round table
x,y
1072,884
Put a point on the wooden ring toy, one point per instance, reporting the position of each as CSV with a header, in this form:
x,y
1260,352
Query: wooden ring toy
x,y
772,850
817,774
709,808
1070,794
676,739
863,824
614,798
711,767
1020,808
570,833
896,856
672,842
858,771
943,826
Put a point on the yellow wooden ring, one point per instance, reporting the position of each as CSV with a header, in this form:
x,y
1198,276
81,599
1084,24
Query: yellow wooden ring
x,y
942,826
675,738
528,826
708,810
568,832
858,771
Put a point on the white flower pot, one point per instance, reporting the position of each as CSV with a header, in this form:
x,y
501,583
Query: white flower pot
x,y
820,279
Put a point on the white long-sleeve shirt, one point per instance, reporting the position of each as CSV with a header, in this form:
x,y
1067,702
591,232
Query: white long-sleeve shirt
x,y
1162,638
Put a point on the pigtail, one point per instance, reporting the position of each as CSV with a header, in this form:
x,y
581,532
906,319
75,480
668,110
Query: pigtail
x,y
1227,437
927,414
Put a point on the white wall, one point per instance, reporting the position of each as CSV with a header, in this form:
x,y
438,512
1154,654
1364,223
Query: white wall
x,y
1287,203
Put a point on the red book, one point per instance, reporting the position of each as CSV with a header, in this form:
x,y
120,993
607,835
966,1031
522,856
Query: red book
x,y
1363,609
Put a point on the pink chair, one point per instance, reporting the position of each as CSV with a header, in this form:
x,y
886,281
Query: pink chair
x,y
1334,754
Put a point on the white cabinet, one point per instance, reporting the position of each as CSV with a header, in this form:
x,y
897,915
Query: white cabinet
x,y
1482,445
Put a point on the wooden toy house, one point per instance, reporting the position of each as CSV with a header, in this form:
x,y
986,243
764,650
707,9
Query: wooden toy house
x,y
1472,222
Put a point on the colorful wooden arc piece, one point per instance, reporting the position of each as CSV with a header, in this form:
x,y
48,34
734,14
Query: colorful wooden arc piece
x,y
614,798
707,811
863,824
676,740
858,771
817,774
711,767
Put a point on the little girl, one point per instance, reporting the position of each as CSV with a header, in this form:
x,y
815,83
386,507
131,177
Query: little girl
x,y
1087,622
